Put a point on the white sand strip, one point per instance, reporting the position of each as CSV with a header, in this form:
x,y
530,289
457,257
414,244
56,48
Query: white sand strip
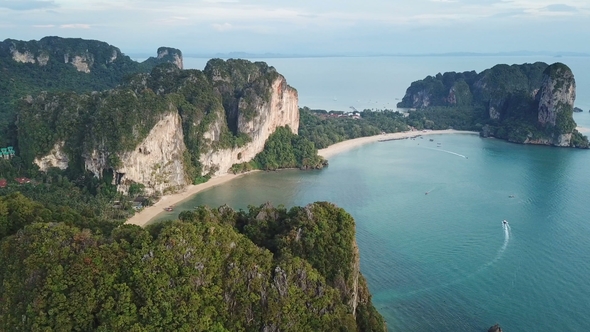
x,y
352,143
144,216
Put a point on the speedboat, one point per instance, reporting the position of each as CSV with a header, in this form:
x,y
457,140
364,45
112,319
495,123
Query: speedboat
x,y
504,222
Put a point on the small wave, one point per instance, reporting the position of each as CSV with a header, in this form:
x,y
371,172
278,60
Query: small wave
x,y
451,152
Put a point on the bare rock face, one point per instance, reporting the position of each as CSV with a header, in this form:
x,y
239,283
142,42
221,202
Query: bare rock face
x,y
280,110
82,63
172,55
55,158
156,162
25,57
557,93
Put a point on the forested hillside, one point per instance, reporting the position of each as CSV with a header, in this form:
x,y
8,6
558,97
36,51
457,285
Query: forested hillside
x,y
264,269
60,64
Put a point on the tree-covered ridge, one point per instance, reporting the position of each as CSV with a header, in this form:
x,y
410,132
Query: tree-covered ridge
x,y
324,129
117,120
265,269
505,101
29,67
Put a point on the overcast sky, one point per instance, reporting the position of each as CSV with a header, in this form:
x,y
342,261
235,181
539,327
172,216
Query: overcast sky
x,y
307,26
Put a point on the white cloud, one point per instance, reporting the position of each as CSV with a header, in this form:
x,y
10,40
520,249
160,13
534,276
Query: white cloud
x,y
222,27
27,4
307,24
75,26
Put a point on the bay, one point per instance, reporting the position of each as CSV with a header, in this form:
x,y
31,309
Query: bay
x,y
442,260
433,248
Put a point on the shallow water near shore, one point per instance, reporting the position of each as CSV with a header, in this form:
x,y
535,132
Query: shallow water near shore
x,y
429,228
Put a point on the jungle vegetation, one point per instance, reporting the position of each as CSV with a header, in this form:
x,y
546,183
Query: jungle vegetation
x,y
265,269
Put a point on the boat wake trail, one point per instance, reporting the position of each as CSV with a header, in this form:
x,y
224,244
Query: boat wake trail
x,y
447,151
506,228
507,232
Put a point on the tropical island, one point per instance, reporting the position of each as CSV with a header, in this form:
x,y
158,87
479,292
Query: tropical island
x,y
95,136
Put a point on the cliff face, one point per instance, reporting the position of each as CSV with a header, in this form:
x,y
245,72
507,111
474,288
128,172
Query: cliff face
x,y
280,110
165,129
556,103
157,162
81,54
55,158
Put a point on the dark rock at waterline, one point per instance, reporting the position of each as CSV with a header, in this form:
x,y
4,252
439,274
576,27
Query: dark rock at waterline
x,y
495,328
578,110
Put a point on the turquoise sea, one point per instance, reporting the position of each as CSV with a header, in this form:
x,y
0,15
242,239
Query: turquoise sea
x,y
428,215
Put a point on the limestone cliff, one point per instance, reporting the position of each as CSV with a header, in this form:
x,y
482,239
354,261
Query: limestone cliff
x,y
324,235
55,158
56,64
165,129
280,110
157,161
83,55
166,55
528,103
556,103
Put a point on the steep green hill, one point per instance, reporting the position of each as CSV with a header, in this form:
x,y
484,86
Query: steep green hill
x,y
528,103
266,269
62,64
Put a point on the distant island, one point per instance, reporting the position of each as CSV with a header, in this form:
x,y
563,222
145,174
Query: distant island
x,y
528,103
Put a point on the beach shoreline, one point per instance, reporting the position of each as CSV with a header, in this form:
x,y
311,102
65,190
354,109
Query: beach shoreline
x,y
344,146
144,216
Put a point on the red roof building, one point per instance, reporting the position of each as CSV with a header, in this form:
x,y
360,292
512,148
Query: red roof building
x,y
22,180
3,183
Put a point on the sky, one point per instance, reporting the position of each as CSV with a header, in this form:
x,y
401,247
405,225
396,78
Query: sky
x,y
308,27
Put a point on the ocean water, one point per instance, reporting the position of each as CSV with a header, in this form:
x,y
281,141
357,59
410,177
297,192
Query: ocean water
x,y
433,248
442,261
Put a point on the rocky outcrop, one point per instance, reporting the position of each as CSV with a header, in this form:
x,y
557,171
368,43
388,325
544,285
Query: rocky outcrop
x,y
82,63
280,110
25,57
157,161
165,129
166,55
557,94
84,55
528,103
495,328
55,158
172,55
556,103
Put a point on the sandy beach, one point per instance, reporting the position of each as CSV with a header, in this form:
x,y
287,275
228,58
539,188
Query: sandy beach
x,y
144,216
352,143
